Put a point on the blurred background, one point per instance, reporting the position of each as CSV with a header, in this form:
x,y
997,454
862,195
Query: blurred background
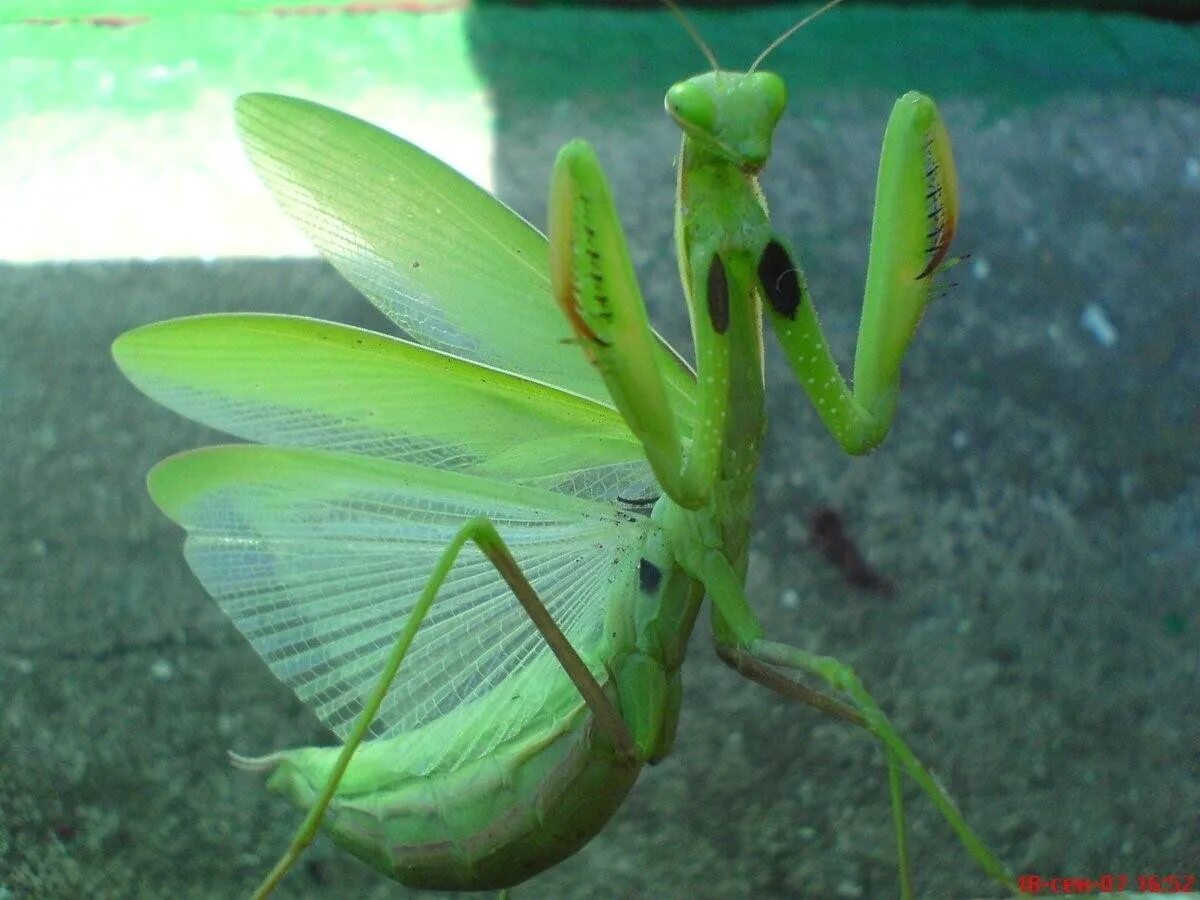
x,y
1034,518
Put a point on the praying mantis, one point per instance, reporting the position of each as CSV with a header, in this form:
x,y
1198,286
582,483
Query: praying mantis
x,y
478,554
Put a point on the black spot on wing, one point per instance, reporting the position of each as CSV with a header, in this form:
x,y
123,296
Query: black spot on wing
x,y
649,576
638,501
718,296
779,280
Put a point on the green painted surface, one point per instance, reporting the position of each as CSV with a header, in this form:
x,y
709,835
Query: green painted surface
x,y
49,9
1175,9
1013,56
109,110
112,11
164,63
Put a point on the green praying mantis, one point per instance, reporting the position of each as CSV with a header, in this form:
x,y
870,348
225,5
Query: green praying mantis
x,y
478,555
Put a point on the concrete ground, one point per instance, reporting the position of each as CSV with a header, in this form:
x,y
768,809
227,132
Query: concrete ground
x,y
1036,508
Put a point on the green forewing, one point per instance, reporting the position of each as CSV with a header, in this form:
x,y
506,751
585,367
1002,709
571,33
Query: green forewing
x,y
451,265
318,558
305,383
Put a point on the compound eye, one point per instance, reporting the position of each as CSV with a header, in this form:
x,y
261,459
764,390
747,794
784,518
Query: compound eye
x,y
773,91
691,106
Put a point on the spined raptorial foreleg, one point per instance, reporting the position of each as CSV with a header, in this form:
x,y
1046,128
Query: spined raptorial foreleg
x,y
593,280
916,209
483,534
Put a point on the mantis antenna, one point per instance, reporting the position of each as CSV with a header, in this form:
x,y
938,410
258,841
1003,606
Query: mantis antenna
x,y
787,34
694,34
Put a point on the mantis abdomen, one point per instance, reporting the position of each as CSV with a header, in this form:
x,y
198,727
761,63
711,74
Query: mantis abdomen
x,y
492,823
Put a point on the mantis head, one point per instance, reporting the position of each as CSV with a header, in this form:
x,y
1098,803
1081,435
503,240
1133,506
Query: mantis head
x,y
732,114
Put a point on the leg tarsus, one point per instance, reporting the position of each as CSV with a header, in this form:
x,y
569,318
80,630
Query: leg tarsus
x,y
896,790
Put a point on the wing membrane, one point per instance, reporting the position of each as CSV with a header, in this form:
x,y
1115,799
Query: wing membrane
x,y
451,265
300,382
318,558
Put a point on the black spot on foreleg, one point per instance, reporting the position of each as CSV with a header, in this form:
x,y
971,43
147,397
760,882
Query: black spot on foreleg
x,y
718,295
779,280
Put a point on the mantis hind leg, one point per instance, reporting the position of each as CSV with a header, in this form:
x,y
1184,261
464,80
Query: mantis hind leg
x,y
740,643
483,534
767,655
759,672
